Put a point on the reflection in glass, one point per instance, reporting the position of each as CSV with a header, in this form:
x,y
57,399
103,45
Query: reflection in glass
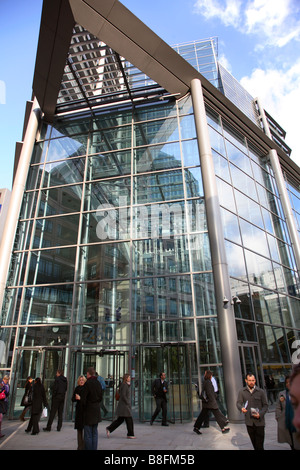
x,y
105,261
60,200
205,302
109,164
52,266
159,157
47,304
159,256
158,187
273,344
209,341
115,192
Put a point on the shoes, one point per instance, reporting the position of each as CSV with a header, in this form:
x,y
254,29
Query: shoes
x,y
131,437
151,422
225,430
197,431
27,430
46,429
165,424
2,435
107,433
34,433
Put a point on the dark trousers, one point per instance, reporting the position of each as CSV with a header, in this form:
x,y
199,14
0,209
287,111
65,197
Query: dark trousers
x,y
161,404
129,423
33,424
220,418
257,436
57,405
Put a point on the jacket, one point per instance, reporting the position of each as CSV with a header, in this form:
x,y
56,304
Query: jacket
x,y
124,405
79,407
158,389
208,388
91,398
38,399
59,387
256,399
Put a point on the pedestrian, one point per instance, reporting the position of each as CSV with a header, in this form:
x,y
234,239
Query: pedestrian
x,y
27,398
123,410
38,401
58,399
103,386
253,403
79,411
4,392
91,397
295,398
159,391
284,415
209,404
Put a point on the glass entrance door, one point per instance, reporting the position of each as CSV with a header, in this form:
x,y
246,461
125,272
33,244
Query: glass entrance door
x,y
110,364
35,362
175,361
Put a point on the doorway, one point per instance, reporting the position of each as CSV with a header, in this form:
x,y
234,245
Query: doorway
x,y
35,362
175,360
111,364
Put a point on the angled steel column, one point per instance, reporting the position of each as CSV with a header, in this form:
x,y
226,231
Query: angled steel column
x,y
17,197
225,312
281,185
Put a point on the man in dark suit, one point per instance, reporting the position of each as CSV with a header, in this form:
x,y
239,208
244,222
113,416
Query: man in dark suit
x,y
159,391
91,397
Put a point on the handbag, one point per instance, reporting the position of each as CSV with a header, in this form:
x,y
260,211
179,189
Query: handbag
x,y
2,395
45,413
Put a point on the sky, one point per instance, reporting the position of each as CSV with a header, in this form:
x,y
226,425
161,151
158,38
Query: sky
x,y
258,43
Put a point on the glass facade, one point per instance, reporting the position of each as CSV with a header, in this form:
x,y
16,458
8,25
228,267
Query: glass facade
x,y
111,264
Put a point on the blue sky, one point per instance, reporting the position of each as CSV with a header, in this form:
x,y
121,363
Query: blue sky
x,y
259,43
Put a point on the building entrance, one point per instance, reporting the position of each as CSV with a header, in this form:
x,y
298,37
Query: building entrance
x,y
35,362
111,364
175,360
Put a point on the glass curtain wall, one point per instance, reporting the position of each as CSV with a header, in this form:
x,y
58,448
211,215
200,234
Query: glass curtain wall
x,y
264,279
112,253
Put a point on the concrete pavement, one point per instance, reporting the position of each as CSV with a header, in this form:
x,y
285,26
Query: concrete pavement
x,y
176,437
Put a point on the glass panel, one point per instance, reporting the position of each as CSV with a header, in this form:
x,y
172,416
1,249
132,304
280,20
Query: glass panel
x,y
162,297
51,335
60,173
236,262
112,224
159,220
160,157
187,127
273,345
34,177
60,200
193,182
197,215
66,147
47,304
153,132
110,191
242,182
238,158
254,238
110,139
102,302
242,309
248,209
217,141
260,270
246,332
158,187
52,266
208,337
56,231
152,257
200,252
107,261
109,164
221,166
190,152
230,226
204,291
225,192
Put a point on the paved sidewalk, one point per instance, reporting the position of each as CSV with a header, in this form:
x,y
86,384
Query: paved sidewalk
x,y
176,437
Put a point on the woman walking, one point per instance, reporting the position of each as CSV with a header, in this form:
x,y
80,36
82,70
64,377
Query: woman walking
x,y
38,401
210,404
4,392
123,410
79,424
27,398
